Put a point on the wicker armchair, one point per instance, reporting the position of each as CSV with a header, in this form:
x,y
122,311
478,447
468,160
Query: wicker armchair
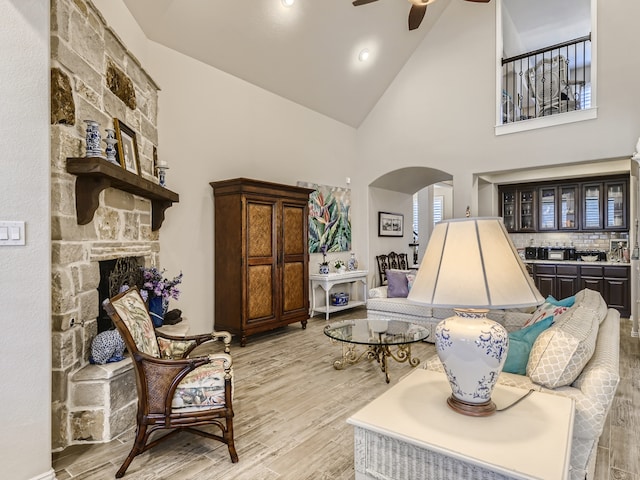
x,y
175,392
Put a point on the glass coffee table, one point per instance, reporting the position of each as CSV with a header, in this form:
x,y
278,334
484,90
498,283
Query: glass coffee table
x,y
379,336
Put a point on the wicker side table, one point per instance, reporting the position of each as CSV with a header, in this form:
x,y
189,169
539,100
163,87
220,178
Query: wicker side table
x,y
409,432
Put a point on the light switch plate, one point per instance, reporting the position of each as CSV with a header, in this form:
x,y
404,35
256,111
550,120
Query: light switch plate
x,y
11,233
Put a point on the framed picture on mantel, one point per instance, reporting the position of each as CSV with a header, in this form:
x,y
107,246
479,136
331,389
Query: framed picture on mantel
x,y
127,151
390,224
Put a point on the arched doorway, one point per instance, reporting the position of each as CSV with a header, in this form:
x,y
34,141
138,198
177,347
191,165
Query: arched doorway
x,y
393,192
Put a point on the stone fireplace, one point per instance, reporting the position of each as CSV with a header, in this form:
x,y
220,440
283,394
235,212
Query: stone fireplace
x,y
93,76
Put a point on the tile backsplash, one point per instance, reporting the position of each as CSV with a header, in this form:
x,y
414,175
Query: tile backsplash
x,y
580,240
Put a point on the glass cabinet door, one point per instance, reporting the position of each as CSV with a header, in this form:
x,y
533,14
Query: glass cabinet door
x,y
509,210
547,218
527,210
568,207
615,208
592,206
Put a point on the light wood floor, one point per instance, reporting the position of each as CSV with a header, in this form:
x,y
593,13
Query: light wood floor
x,y
291,410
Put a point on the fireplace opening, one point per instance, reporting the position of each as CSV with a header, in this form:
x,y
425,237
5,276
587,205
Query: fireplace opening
x,y
114,275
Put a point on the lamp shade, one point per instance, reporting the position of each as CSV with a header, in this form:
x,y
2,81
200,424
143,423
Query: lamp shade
x,y
472,263
472,266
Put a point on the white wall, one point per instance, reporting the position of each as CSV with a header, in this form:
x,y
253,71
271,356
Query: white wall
x,y
213,126
447,89
25,297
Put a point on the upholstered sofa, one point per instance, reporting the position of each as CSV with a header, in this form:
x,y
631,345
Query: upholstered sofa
x,y
576,357
379,305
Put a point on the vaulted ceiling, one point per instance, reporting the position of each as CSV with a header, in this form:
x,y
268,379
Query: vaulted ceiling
x,y
308,53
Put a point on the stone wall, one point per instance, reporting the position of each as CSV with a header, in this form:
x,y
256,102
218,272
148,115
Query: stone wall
x,y
93,76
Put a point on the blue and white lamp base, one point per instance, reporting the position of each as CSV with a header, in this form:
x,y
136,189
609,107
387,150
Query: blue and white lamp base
x,y
473,350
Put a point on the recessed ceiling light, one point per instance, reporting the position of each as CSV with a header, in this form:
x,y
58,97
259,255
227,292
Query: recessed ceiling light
x,y
363,55
288,3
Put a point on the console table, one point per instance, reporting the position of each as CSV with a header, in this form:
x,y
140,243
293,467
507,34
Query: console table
x,y
352,279
410,432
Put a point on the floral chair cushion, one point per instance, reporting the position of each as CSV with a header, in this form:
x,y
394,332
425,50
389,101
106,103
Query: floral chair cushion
x,y
201,388
170,349
133,312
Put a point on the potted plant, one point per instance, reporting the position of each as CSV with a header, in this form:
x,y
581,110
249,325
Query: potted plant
x,y
340,266
157,290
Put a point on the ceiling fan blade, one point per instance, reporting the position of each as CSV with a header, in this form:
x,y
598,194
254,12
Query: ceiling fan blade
x,y
357,3
479,1
416,14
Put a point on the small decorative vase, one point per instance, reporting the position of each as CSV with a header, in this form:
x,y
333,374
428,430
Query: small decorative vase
x,y
111,146
157,308
473,350
352,263
93,139
342,269
324,269
162,175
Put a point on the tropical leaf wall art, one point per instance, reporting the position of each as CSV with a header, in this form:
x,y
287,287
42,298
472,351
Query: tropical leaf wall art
x,y
329,218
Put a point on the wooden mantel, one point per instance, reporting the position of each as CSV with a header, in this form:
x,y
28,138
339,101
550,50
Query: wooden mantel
x,y
95,174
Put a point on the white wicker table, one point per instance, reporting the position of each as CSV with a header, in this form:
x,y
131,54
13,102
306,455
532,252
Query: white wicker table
x,y
409,433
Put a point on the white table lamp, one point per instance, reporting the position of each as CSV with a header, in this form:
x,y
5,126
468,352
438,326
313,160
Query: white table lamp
x,y
472,266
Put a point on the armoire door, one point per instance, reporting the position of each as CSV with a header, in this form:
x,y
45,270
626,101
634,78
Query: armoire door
x,y
293,261
261,260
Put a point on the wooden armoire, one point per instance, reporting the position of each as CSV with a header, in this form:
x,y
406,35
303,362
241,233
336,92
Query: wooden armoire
x,y
261,256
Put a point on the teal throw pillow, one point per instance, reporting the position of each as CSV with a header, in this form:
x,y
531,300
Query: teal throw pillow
x,y
565,302
520,343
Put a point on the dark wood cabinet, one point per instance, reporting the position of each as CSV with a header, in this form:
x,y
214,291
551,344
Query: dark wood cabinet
x,y
600,204
616,287
548,208
518,209
560,281
592,196
615,205
567,280
563,280
545,279
261,256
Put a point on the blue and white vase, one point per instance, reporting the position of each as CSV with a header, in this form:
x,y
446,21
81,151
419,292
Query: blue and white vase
x,y
324,269
111,141
93,139
157,309
473,350
352,263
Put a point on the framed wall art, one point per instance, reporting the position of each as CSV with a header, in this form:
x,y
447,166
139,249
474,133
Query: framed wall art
x,y
329,218
127,151
390,224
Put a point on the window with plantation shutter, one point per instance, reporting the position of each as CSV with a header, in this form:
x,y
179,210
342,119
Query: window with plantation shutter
x,y
438,208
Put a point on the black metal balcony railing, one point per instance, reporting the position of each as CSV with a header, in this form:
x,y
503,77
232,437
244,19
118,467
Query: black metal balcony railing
x,y
547,81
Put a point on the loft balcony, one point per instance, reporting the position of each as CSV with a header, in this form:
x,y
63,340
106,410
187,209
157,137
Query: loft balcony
x,y
545,82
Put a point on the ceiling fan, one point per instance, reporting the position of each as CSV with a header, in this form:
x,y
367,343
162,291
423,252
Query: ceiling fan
x,y
418,9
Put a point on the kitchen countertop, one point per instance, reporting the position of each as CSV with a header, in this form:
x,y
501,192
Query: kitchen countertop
x,y
578,262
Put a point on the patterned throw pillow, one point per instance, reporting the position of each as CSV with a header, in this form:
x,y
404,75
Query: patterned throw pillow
x,y
545,310
560,353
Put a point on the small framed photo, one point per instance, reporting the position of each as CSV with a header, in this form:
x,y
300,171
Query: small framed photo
x,y
617,244
390,224
127,151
